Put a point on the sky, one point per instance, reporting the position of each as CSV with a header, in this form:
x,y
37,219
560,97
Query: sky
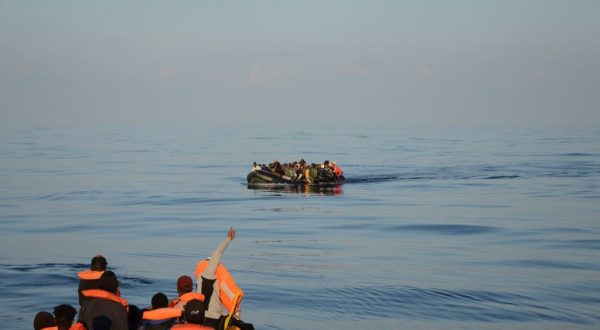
x,y
300,63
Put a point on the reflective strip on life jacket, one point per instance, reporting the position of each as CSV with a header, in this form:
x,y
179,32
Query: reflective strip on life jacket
x,y
229,293
90,275
162,314
103,294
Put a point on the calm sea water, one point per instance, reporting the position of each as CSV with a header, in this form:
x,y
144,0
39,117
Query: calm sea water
x,y
435,229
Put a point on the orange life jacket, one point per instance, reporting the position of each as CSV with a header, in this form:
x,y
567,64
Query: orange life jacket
x,y
338,171
162,314
187,297
184,326
78,326
50,328
103,294
230,294
90,274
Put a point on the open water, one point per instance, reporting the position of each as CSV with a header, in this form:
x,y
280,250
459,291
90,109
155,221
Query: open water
x,y
435,229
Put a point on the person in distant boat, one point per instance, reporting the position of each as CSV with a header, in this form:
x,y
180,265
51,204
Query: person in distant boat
x,y
307,175
277,169
208,286
256,167
44,320
290,172
90,279
336,170
64,316
314,172
325,173
299,168
105,303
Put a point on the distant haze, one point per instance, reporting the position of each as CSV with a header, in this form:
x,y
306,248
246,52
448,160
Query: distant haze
x,y
300,63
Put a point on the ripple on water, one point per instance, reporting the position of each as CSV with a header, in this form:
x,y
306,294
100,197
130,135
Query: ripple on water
x,y
447,229
408,302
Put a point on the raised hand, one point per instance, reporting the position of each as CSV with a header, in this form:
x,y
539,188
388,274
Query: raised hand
x,y
231,233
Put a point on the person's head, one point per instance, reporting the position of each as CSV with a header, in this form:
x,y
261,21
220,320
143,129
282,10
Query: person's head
x,y
254,164
326,163
193,311
43,320
98,263
184,285
64,315
160,300
108,281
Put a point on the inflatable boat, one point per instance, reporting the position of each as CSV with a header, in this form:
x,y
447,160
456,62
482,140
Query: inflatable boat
x,y
262,177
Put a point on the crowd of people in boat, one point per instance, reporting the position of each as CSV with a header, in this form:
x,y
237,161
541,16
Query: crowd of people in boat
x,y
300,171
103,308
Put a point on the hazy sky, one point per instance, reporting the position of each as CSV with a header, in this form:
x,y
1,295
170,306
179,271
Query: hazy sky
x,y
295,63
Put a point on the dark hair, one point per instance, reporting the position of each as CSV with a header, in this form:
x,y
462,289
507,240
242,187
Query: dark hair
x,y
98,263
64,314
43,320
193,312
160,300
108,281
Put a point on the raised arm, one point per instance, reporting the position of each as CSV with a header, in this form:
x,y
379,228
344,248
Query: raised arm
x,y
210,271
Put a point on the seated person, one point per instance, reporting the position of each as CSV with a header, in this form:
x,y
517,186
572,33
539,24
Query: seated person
x,y
44,320
64,315
193,316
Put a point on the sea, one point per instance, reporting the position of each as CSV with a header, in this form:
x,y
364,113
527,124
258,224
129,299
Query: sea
x,y
435,228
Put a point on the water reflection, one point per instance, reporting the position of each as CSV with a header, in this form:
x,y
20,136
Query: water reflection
x,y
334,189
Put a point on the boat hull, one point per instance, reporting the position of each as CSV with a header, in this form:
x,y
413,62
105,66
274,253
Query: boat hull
x,y
267,178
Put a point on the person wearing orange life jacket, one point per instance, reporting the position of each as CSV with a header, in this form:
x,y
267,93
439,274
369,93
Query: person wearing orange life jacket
x,y
336,170
185,285
89,279
207,282
193,316
104,303
160,317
